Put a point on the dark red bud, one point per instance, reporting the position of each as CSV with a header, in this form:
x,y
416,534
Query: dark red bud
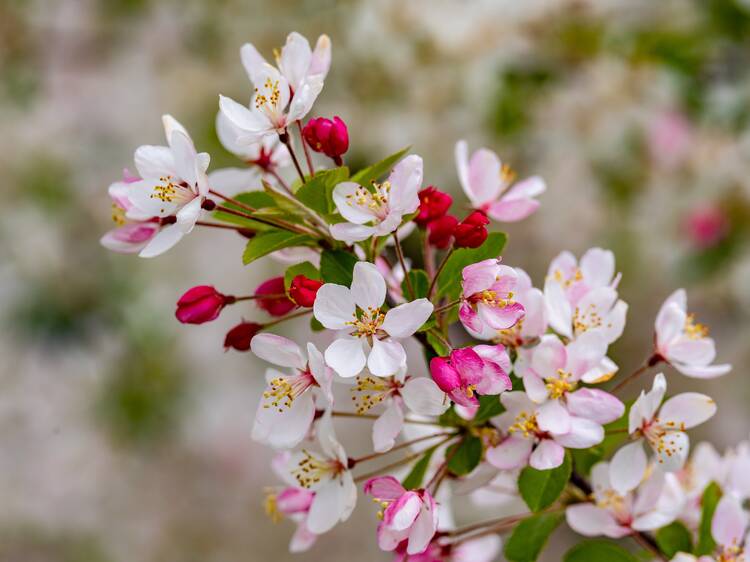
x,y
472,231
278,304
433,204
303,290
201,304
241,335
330,137
440,231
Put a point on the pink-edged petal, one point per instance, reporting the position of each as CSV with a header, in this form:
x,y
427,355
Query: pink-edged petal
x,y
549,356
387,357
512,210
423,396
730,521
628,467
479,276
322,374
687,410
423,529
278,350
405,319
500,317
469,365
445,375
547,455
552,417
387,427
346,356
368,286
585,352
303,539
388,539
644,408
510,454
400,515
334,306
535,387
129,238
596,405
484,177
591,521
384,488
582,435
469,318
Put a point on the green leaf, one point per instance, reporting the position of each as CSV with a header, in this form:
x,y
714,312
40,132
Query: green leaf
x,y
530,536
450,418
489,407
437,344
366,175
540,488
449,281
315,325
415,477
270,241
420,282
256,199
468,453
337,266
709,501
305,268
598,551
674,538
317,193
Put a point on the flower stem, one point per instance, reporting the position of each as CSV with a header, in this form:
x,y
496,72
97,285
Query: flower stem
x,y
401,462
281,181
288,317
447,306
653,360
307,150
217,225
440,268
268,296
276,223
428,255
374,417
400,254
649,544
284,138
353,462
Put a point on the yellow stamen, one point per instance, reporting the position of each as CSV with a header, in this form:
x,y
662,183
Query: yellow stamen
x,y
558,386
526,424
371,391
695,330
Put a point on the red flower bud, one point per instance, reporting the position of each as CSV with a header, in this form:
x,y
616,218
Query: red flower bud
x,y
277,303
441,231
326,136
303,290
472,231
201,304
433,204
240,336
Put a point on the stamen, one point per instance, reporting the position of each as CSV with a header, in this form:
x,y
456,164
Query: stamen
x,y
312,469
526,424
271,507
695,330
283,391
368,324
118,214
558,386
371,391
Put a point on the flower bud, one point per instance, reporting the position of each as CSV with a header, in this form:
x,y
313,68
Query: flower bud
x,y
706,226
240,336
201,304
303,290
441,231
472,231
277,303
433,204
326,136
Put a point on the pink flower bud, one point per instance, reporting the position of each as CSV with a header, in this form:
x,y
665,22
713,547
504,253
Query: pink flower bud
x,y
201,304
240,336
303,290
277,303
433,204
326,136
706,226
472,231
441,231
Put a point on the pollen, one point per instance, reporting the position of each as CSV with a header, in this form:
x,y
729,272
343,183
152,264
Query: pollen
x,y
507,174
375,200
118,214
283,391
271,507
525,424
311,469
166,190
587,319
369,392
695,330
269,96
368,323
558,386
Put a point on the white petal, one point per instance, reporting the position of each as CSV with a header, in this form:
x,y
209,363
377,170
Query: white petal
x,y
278,350
628,467
163,241
351,233
422,396
670,323
346,356
591,521
553,418
327,508
295,59
559,311
154,161
510,454
583,434
672,451
687,410
334,306
406,179
241,117
368,286
184,155
344,197
284,429
230,181
422,530
598,267
730,521
387,427
386,358
407,318
547,455
253,62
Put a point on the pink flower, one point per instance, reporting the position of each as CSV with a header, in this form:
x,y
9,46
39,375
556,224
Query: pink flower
x,y
487,299
669,139
706,226
433,204
407,515
683,342
134,229
201,304
480,549
482,369
729,528
330,137
488,185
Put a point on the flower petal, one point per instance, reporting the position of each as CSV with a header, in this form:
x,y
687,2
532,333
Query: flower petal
x,y
547,454
628,467
334,306
730,521
387,427
278,350
687,410
591,521
386,357
163,241
582,435
368,286
594,404
510,454
407,318
346,356
422,396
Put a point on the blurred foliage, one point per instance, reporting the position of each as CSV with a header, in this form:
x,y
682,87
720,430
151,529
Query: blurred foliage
x,y
34,545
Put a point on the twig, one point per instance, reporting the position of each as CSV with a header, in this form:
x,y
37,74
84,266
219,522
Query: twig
x,y
284,138
353,462
307,151
288,317
440,268
655,359
400,254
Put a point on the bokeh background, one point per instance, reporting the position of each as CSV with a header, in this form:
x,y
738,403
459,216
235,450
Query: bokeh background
x,y
124,436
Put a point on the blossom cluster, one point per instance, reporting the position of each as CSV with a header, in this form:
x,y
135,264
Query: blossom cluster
x,y
517,386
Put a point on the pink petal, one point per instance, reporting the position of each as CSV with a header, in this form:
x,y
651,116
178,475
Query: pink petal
x,y
510,454
547,454
384,488
596,405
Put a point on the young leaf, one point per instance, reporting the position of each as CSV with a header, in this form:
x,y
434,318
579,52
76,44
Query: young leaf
x,y
540,488
255,199
674,538
305,268
366,175
489,407
465,455
337,266
449,281
270,241
419,282
598,551
437,344
317,193
530,536
415,477
315,325
709,501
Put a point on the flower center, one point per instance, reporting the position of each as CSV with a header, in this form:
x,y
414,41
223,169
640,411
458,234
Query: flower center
x,y
733,553
507,174
282,391
267,99
370,391
587,319
525,424
558,386
510,337
613,502
312,469
695,330
661,437
491,298
376,201
271,507
566,282
118,214
170,191
368,323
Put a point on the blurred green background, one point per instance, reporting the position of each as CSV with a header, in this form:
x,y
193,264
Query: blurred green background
x,y
125,435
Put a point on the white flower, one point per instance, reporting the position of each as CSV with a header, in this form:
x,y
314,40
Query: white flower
x,y
379,211
282,95
173,183
367,336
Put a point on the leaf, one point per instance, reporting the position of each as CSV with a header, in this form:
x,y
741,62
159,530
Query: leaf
x,y
317,193
366,175
437,344
415,477
465,455
709,501
530,537
272,240
598,551
337,266
450,418
674,538
540,488
305,268
449,284
256,199
420,282
315,325
489,407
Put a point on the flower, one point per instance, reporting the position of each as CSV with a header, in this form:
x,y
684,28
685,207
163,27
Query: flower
x,y
330,137
729,528
441,231
282,95
647,505
706,226
134,229
482,369
406,516
201,304
662,428
287,410
683,342
303,290
174,183
536,439
277,303
487,184
433,204
328,476
367,336
487,297
380,211
472,231
241,335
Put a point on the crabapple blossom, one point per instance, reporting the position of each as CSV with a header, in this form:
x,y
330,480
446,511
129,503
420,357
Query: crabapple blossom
x,y
133,229
440,231
378,212
472,231
489,185
663,428
367,336
330,137
683,342
201,304
287,410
